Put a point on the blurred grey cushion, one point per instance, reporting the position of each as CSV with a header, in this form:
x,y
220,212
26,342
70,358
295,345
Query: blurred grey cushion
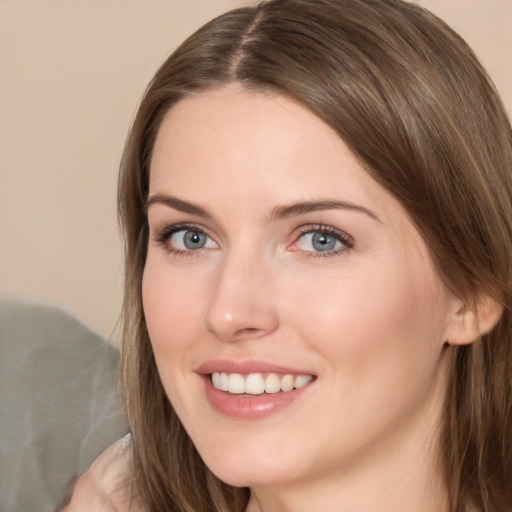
x,y
58,403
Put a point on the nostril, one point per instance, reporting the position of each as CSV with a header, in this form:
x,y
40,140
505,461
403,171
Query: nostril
x,y
248,332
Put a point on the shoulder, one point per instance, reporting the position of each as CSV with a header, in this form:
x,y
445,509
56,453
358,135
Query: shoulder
x,y
107,485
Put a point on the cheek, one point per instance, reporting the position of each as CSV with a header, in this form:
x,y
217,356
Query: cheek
x,y
374,331
386,319
172,308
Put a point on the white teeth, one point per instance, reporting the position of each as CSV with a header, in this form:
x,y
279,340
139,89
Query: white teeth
x,y
272,384
302,380
287,383
224,382
256,384
216,376
236,383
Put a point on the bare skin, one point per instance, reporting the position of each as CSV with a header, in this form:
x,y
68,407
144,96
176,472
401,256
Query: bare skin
x,y
236,276
105,486
233,273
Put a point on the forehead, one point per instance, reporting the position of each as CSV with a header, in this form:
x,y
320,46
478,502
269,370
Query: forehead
x,y
254,133
256,122
232,143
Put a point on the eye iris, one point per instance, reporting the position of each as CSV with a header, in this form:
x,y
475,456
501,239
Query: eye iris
x,y
194,240
323,242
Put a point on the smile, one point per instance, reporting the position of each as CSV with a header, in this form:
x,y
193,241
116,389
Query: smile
x,y
258,383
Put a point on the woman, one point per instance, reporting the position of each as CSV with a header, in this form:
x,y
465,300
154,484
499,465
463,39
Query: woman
x,y
316,202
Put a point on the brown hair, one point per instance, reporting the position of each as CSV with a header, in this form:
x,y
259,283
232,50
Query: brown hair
x,y
413,103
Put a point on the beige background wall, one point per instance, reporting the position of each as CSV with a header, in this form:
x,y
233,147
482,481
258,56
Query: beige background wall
x,y
71,74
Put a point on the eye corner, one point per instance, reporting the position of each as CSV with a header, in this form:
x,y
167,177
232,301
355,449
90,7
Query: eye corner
x,y
321,241
183,239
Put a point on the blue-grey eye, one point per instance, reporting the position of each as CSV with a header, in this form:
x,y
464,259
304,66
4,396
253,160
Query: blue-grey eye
x,y
189,240
319,242
324,242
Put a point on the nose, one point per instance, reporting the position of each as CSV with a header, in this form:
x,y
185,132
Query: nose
x,y
242,303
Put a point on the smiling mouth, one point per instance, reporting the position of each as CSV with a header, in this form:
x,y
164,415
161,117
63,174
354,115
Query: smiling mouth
x,y
258,383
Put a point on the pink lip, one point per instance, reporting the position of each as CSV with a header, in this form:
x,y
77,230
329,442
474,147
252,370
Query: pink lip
x,y
249,407
246,367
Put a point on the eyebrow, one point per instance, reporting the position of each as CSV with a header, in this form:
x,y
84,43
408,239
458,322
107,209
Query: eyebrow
x,y
279,212
177,204
303,207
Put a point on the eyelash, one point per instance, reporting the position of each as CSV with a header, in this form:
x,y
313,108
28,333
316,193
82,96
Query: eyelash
x,y
163,236
347,242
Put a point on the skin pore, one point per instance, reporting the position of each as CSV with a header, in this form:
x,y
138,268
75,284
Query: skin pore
x,y
270,246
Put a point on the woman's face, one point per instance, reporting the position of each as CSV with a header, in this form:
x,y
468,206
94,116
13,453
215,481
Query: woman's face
x,y
279,270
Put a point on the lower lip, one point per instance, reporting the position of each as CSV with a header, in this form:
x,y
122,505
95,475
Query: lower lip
x,y
250,407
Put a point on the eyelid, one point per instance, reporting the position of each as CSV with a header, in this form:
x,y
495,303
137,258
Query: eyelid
x,y
162,235
344,238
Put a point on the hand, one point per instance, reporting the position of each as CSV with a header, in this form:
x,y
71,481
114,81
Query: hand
x,y
107,485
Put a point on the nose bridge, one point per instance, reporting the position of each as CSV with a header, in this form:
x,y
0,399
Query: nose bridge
x,y
241,302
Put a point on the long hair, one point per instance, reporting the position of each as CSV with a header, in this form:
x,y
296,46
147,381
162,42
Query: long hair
x,y
412,102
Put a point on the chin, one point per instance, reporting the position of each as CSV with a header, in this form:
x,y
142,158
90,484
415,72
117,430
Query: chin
x,y
248,476
248,468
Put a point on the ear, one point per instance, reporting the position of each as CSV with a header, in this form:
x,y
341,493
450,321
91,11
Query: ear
x,y
469,321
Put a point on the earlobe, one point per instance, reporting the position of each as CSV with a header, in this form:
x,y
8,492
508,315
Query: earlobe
x,y
470,321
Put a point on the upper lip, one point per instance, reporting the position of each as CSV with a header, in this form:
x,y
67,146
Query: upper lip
x,y
246,367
